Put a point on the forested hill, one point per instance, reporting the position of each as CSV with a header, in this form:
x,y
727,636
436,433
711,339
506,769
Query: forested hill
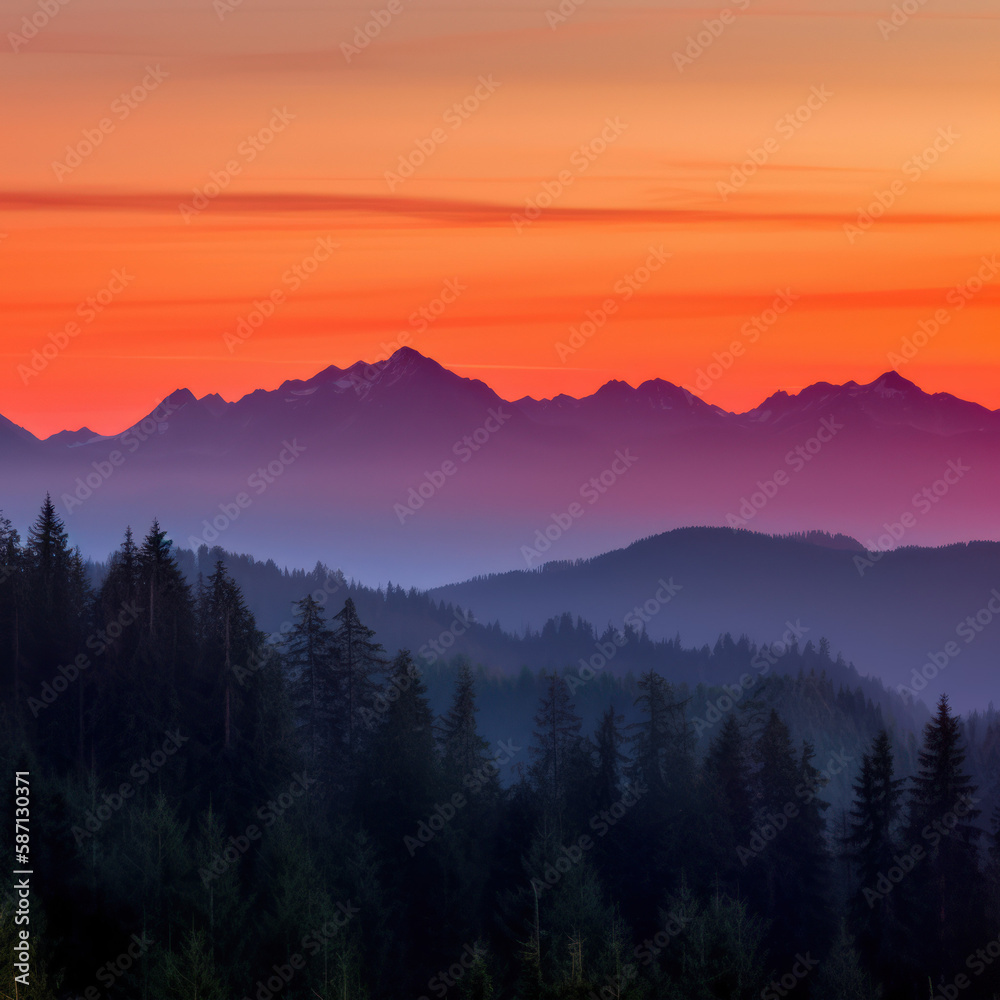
x,y
822,697
211,815
887,606
435,630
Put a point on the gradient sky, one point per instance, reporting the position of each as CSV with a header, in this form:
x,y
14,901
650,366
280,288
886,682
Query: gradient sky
x,y
223,70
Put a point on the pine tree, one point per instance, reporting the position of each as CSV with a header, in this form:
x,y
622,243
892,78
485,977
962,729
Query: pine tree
x,y
168,608
310,658
841,975
463,750
666,820
609,740
942,811
11,613
727,775
57,611
715,949
359,661
786,857
398,792
558,752
229,638
873,844
663,743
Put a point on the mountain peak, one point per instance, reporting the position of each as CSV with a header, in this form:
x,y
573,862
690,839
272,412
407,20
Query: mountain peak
x,y
892,381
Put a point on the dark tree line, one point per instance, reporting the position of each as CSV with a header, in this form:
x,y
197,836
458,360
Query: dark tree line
x,y
291,819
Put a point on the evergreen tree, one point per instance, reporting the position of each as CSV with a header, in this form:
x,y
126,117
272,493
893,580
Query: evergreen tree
x,y
463,750
168,607
841,975
11,614
665,823
873,844
611,762
311,661
942,810
359,661
786,858
560,757
727,775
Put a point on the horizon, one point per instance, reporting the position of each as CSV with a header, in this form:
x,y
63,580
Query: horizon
x,y
791,391
184,171
647,350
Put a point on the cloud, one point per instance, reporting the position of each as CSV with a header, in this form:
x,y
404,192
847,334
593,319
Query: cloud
x,y
453,213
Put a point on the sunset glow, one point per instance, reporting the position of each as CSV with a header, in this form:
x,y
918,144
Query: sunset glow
x,y
424,156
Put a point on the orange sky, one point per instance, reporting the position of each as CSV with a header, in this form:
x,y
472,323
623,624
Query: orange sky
x,y
209,77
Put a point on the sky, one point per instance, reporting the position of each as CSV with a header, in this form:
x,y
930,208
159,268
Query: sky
x,y
222,196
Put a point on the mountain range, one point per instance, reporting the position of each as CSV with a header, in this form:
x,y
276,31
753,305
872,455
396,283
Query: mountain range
x,y
406,471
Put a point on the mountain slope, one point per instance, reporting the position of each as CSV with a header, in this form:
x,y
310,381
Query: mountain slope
x,y
404,470
890,613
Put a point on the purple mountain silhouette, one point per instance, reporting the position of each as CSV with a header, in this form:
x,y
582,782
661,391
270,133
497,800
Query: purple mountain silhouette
x,y
404,470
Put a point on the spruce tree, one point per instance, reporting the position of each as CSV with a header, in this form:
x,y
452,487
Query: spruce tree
x,y
359,662
560,756
729,785
873,844
942,810
609,740
310,658
463,750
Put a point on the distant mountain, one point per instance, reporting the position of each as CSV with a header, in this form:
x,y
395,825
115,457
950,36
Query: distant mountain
x,y
890,613
890,401
404,470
